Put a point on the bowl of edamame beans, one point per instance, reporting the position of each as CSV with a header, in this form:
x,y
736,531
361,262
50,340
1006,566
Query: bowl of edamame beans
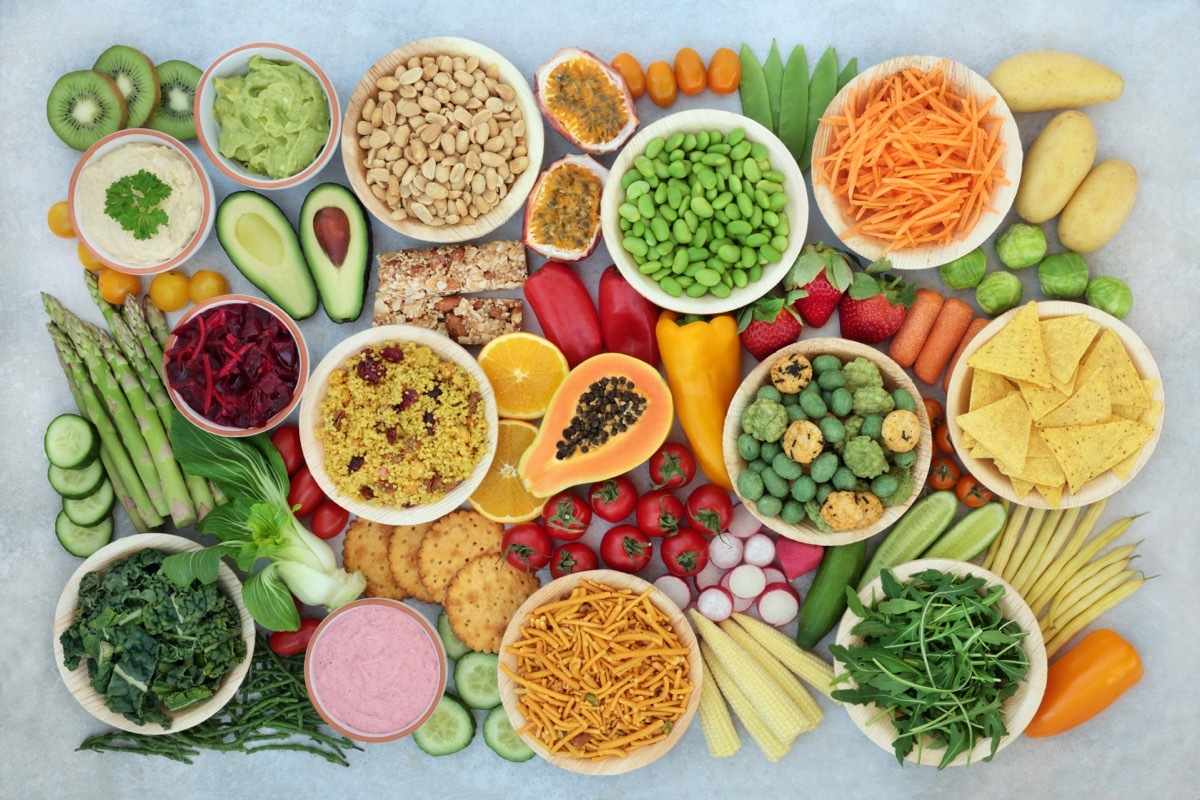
x,y
704,211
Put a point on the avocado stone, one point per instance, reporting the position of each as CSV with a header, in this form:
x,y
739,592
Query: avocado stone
x,y
336,236
260,242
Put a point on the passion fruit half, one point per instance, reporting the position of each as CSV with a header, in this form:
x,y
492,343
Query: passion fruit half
x,y
562,216
585,100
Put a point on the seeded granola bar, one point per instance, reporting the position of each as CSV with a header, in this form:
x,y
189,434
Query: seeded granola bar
x,y
466,320
408,275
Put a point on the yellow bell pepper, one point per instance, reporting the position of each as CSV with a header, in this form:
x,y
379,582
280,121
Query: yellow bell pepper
x,y
703,364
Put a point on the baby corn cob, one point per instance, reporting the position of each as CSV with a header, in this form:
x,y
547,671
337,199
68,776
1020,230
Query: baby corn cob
x,y
778,672
770,744
715,721
808,667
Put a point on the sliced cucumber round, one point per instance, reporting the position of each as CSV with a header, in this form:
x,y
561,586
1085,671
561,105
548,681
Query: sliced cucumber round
x,y
80,540
499,735
449,729
90,510
71,442
75,483
455,649
971,535
477,679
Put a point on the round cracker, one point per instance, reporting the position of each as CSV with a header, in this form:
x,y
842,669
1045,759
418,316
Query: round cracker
x,y
452,541
402,558
482,597
366,550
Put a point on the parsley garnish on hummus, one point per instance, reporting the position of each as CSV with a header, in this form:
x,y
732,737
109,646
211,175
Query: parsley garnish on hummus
x,y
133,202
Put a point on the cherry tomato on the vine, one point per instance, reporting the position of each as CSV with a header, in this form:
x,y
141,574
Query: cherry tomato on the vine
x,y
328,520
941,439
685,552
936,414
527,546
943,474
289,643
971,493
614,499
305,493
626,548
566,516
672,467
659,513
286,439
709,509
572,557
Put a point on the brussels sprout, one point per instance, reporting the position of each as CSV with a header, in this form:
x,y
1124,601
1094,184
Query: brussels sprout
x,y
1021,246
1110,295
998,292
1063,276
964,272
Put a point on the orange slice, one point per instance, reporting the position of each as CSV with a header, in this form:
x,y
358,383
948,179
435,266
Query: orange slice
x,y
524,370
502,496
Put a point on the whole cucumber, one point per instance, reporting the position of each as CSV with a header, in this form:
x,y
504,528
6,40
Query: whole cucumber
x,y
826,601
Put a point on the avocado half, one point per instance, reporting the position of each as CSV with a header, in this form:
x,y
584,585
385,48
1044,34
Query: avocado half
x,y
335,234
260,242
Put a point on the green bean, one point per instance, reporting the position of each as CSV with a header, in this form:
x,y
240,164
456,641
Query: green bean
x,y
821,90
848,73
756,103
793,118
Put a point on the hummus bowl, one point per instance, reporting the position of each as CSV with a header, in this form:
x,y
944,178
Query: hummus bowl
x,y
189,207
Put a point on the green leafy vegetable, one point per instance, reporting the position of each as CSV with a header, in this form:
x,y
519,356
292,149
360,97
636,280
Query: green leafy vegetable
x,y
134,201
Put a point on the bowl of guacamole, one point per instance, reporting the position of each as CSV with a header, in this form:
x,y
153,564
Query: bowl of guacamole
x,y
267,116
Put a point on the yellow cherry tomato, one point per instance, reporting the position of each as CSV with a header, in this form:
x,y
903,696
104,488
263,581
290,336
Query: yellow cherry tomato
x,y
690,74
724,71
206,284
660,83
169,291
631,71
59,220
116,286
87,259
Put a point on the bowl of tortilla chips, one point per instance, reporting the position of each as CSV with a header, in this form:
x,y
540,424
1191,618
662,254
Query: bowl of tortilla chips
x,y
1055,405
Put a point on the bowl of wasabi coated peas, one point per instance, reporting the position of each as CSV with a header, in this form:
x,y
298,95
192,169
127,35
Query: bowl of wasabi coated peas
x,y
704,211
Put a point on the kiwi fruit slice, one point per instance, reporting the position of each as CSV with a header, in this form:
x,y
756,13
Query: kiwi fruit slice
x,y
84,107
135,77
178,81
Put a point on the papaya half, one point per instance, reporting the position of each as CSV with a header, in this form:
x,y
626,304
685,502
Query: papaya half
x,y
610,415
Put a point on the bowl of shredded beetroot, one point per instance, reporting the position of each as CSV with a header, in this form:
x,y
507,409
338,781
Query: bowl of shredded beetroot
x,y
236,365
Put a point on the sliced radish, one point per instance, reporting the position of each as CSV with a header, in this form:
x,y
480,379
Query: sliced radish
x,y
797,558
747,581
774,575
743,523
778,604
715,603
759,550
740,604
675,588
725,551
709,576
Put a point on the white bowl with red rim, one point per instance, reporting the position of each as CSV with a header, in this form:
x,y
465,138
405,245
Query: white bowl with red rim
x,y
115,141
375,670
204,423
237,63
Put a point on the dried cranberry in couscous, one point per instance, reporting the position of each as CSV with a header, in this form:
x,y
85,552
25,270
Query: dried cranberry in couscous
x,y
401,426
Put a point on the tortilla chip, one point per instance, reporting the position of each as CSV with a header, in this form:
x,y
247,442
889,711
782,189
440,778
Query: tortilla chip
x,y
1002,427
979,451
1129,442
967,441
987,388
1124,468
1045,471
1016,351
1089,405
1066,387
1151,415
1066,340
1082,450
1021,487
1053,494
1109,357
1041,399
1037,445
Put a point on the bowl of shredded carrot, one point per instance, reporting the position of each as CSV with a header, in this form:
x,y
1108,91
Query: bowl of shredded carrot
x,y
600,672
917,159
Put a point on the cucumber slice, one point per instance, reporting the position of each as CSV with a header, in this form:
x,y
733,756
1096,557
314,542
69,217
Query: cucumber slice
x,y
71,441
920,527
449,729
971,535
76,483
80,540
88,511
477,679
499,735
455,649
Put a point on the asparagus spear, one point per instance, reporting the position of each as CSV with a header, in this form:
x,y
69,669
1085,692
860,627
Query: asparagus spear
x,y
93,409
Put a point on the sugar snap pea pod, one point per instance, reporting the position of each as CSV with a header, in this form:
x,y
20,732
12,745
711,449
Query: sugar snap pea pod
x,y
848,73
773,72
793,112
753,89
821,90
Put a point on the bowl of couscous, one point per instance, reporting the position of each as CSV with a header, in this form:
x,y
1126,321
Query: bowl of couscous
x,y
398,425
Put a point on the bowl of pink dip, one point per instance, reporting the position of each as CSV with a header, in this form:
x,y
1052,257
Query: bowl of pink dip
x,y
375,670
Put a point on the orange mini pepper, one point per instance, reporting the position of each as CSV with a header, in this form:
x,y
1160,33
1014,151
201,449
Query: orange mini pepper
x,y
1084,682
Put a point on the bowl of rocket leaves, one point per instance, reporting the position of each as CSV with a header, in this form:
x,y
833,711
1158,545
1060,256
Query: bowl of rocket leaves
x,y
940,662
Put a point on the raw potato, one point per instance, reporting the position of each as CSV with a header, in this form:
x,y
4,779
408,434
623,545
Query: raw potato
x,y
1048,80
1057,162
1099,206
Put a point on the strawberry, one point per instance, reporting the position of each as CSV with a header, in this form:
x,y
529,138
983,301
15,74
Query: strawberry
x,y
768,324
874,308
820,276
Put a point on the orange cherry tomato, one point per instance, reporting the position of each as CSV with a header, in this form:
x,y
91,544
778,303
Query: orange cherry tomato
x,y
169,291
724,71
87,259
660,83
59,220
632,72
115,286
206,284
689,72
936,414
943,474
941,438
971,493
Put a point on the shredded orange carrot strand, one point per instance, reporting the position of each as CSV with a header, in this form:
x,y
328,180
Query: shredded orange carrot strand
x,y
916,162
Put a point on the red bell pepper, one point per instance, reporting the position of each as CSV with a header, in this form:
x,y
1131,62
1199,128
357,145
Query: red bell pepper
x,y
627,319
566,312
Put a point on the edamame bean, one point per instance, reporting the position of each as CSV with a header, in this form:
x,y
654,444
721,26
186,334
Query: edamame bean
x,y
650,267
708,277
654,147
740,280
660,229
755,273
644,166
720,290
722,200
681,232
780,243
758,151
751,172
674,142
645,205
729,253
678,169
702,208
679,263
671,286
770,254
697,290
629,178
637,247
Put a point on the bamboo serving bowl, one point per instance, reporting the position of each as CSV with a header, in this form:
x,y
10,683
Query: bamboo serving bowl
x,y
561,588
893,378
958,396
352,154
1018,709
78,681
964,80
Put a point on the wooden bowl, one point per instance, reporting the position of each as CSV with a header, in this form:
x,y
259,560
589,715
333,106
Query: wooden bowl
x,y
1018,709
958,396
560,588
964,80
78,681
352,154
310,421
893,378
705,119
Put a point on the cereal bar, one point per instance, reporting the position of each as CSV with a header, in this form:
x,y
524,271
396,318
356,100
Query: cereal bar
x,y
466,320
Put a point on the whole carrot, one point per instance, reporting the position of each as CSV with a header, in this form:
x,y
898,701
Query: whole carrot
x,y
909,340
972,331
948,329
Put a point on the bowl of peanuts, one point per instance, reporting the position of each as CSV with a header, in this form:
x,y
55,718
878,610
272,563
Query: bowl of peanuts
x,y
442,140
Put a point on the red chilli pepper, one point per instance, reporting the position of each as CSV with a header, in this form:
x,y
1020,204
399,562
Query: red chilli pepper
x,y
566,312
627,320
